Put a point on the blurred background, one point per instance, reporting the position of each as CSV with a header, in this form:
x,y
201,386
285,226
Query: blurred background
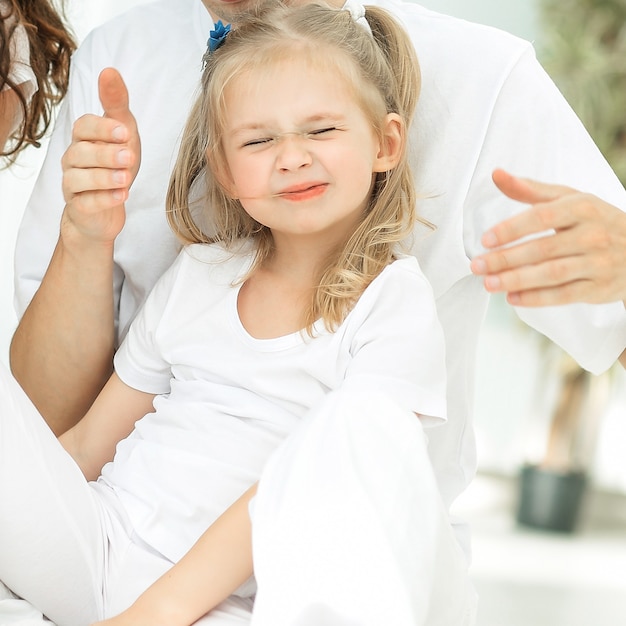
x,y
548,507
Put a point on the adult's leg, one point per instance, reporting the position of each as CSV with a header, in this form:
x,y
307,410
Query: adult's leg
x,y
349,528
52,544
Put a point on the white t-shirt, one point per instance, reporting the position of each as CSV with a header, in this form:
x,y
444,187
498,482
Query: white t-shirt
x,y
227,399
485,103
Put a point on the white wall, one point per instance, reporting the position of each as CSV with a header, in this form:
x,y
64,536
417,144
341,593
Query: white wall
x,y
517,16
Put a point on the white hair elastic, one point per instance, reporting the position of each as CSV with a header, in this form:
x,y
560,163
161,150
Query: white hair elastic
x,y
357,11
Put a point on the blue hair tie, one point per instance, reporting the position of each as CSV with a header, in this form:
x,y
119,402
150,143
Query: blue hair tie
x,y
215,40
217,36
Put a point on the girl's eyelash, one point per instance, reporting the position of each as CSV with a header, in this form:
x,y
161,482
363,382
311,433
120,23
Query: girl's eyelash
x,y
262,140
255,142
322,130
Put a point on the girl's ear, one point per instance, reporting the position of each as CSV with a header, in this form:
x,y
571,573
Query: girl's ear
x,y
392,143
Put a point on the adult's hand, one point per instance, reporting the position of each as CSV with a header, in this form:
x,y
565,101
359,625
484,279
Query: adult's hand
x,y
579,257
100,165
62,350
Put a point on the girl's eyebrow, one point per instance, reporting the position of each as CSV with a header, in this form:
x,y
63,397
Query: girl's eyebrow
x,y
318,117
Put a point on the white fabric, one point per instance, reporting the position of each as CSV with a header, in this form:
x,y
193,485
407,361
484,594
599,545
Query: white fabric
x,y
485,102
357,12
219,418
230,399
20,71
349,528
65,544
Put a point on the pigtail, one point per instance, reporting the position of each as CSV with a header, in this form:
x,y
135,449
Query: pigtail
x,y
187,175
392,214
398,49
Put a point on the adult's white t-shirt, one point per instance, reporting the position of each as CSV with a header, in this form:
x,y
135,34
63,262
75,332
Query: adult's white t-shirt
x,y
485,103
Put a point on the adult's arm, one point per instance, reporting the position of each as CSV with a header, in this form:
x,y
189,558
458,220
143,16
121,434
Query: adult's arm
x,y
218,563
9,110
62,350
580,257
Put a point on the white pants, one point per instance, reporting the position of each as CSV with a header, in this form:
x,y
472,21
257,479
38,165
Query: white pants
x,y
348,527
63,545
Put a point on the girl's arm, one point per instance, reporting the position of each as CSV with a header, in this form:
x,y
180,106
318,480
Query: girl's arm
x,y
218,563
110,419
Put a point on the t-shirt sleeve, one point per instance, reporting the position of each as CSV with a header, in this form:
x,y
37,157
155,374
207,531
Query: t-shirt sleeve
x,y
139,362
398,345
20,71
545,140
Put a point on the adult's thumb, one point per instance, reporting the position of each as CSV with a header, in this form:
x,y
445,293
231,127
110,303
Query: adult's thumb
x,y
528,190
114,95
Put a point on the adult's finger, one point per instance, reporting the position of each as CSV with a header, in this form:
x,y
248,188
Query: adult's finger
x,y
548,274
114,95
560,213
528,190
564,243
86,154
77,181
115,102
97,128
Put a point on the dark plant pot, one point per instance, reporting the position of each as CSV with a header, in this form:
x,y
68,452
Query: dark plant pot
x,y
550,500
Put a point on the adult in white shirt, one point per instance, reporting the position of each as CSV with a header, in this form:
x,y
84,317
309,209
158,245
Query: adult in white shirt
x,y
485,103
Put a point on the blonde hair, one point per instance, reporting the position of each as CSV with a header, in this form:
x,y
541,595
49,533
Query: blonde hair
x,y
382,71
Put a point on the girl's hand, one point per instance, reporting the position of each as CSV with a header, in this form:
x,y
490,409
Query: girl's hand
x,y
584,260
100,165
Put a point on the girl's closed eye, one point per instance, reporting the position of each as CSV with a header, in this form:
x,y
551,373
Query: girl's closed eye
x,y
320,132
258,141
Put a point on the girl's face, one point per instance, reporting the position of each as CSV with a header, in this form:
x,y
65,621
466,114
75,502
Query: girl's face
x,y
300,152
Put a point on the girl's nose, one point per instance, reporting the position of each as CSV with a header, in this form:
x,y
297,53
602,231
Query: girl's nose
x,y
293,153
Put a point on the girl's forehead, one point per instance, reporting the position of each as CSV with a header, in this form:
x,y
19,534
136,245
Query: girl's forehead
x,y
295,61
287,99
297,80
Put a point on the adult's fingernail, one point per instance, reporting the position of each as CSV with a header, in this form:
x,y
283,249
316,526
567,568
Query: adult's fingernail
x,y
119,133
489,239
493,282
123,157
478,266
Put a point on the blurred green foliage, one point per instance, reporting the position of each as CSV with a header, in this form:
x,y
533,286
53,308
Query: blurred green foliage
x,y
583,48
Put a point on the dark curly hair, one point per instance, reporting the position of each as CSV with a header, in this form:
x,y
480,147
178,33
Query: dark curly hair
x,y
51,46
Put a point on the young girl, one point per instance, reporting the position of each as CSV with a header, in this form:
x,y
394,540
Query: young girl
x,y
35,50
295,320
